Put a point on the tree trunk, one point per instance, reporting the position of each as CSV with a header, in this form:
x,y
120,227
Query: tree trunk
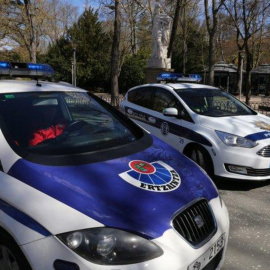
x,y
211,60
248,75
211,24
174,27
133,39
32,33
185,48
115,56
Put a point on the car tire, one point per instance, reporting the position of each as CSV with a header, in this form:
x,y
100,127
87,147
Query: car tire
x,y
11,256
199,155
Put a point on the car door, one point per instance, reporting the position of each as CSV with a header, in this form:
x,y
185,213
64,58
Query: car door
x,y
167,127
139,107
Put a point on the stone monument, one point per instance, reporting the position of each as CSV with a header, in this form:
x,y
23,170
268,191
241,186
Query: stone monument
x,y
160,41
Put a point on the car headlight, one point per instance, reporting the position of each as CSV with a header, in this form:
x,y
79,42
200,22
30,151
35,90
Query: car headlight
x,y
110,246
233,140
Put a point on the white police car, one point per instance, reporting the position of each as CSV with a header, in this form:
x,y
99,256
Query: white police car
x,y
223,135
83,187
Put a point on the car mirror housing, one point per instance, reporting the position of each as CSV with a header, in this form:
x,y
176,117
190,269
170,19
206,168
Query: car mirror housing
x,y
171,112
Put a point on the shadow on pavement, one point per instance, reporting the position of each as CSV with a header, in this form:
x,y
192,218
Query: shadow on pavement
x,y
239,185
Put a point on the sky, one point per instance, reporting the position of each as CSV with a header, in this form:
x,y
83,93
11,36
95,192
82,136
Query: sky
x,y
80,4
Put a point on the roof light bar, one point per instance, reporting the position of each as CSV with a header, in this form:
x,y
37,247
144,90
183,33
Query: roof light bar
x,y
4,68
178,77
14,69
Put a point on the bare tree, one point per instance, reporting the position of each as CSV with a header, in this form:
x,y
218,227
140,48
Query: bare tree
x,y
174,26
20,25
115,55
212,24
3,27
248,17
29,23
59,15
132,11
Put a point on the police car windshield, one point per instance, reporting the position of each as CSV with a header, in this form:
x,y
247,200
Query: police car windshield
x,y
62,123
212,102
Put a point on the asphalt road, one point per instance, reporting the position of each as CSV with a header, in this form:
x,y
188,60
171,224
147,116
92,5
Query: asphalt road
x,y
248,204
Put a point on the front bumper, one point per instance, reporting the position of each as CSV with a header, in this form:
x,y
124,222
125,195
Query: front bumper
x,y
178,254
251,165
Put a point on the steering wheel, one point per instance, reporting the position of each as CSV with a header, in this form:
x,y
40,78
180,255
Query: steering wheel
x,y
47,141
75,125
100,129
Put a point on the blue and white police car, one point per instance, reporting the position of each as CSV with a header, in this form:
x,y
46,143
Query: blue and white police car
x,y
224,136
83,187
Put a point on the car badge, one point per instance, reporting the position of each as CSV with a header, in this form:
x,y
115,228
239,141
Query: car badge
x,y
199,221
164,128
156,176
262,125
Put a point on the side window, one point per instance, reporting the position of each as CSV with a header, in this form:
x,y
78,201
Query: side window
x,y
132,95
164,99
144,97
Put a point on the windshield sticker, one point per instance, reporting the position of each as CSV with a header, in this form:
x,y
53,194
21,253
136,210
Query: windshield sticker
x,y
9,96
156,176
262,125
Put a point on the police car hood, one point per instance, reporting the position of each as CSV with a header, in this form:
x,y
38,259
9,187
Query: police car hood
x,y
140,192
254,127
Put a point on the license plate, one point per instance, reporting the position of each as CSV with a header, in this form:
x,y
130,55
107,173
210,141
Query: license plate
x,y
209,255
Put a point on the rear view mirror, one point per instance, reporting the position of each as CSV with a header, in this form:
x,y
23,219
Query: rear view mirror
x,y
171,112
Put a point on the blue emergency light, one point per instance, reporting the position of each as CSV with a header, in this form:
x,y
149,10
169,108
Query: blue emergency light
x,y
14,69
4,65
178,77
4,68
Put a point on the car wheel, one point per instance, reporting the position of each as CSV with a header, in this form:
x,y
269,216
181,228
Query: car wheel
x,y
11,257
202,158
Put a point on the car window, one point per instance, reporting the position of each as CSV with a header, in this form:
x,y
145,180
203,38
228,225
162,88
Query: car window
x,y
212,102
61,123
131,95
144,97
163,99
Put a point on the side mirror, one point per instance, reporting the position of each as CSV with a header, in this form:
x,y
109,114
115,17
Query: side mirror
x,y
171,112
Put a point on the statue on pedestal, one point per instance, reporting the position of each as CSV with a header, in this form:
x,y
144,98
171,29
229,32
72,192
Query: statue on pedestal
x,y
160,40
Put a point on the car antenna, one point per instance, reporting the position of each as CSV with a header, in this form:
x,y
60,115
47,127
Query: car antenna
x,y
38,84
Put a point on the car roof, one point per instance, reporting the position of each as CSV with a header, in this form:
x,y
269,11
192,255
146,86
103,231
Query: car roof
x,y
179,86
17,86
190,86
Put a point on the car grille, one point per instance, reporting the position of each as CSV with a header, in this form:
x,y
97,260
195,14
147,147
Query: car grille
x,y
264,152
196,223
258,172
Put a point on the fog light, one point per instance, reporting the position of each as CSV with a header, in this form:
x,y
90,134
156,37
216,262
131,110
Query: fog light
x,y
237,169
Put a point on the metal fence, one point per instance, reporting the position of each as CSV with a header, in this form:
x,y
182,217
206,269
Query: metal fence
x,y
261,107
107,98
